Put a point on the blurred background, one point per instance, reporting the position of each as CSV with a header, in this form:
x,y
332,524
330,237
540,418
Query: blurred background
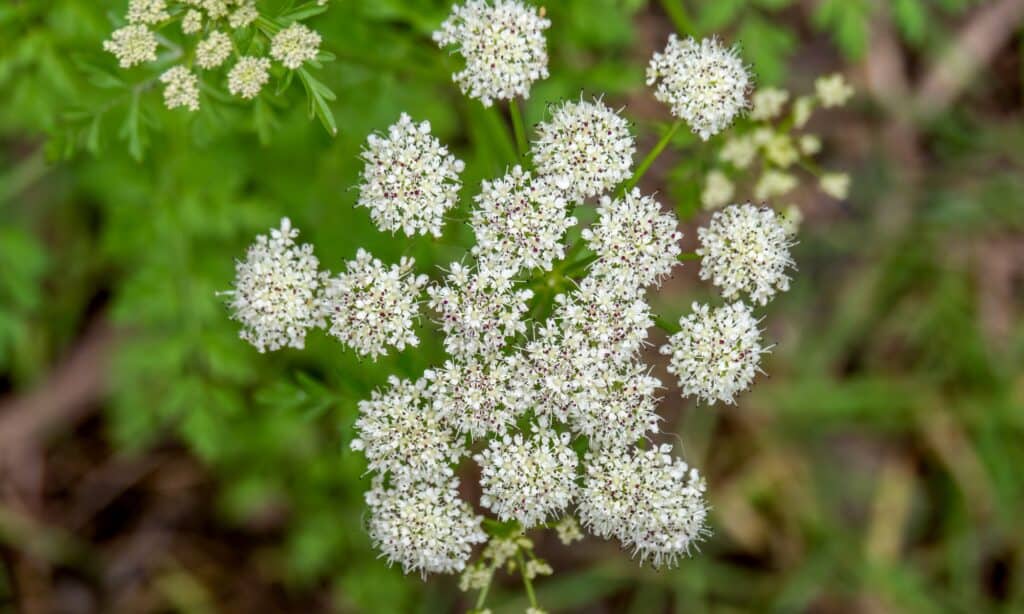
x,y
153,462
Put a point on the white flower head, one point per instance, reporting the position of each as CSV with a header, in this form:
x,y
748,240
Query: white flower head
x,y
424,528
503,45
277,294
403,436
739,151
833,90
295,45
774,183
605,319
245,15
718,190
836,185
648,500
617,407
519,223
586,149
181,88
528,479
716,353
479,396
192,22
479,310
745,249
215,9
132,45
212,51
634,239
704,83
372,307
767,103
147,11
409,179
248,76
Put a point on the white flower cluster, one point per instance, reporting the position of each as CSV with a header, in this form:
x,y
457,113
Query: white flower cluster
x,y
137,43
372,307
585,149
503,45
746,249
704,83
409,179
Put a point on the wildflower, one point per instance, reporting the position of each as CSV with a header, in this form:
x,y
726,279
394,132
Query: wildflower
x,y
192,22
423,527
478,396
774,183
527,479
402,435
616,407
248,76
767,103
718,190
215,9
503,45
132,45
716,353
791,219
295,45
534,568
836,185
833,90
745,249
802,108
585,149
245,15
519,223
568,530
650,502
372,307
181,88
779,150
147,11
810,144
409,179
212,51
704,83
604,320
739,151
277,291
634,239
479,309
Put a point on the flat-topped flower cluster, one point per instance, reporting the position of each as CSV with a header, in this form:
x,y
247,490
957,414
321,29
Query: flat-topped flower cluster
x,y
545,390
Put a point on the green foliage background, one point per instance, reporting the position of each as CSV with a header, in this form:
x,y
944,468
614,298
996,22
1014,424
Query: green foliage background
x,y
879,466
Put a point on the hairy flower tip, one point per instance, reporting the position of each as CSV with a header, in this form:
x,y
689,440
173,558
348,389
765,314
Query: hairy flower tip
x,y
704,83
636,242
295,45
403,436
147,11
409,180
717,352
424,528
617,408
132,45
528,479
604,319
746,249
181,88
479,396
519,223
248,76
212,51
648,500
479,310
278,289
585,149
503,45
372,307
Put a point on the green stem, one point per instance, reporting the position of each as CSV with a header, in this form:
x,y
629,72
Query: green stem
x,y
518,127
526,581
651,157
666,325
679,16
683,257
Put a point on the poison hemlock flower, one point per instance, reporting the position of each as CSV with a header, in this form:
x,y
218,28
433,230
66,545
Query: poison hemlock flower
x,y
617,406
478,396
181,88
212,51
248,76
767,103
774,183
245,15
425,528
147,11
132,45
704,83
409,179
192,22
295,45
833,90
648,500
836,185
718,190
568,530
372,307
716,353
635,240
739,151
503,45
278,288
528,479
585,149
745,249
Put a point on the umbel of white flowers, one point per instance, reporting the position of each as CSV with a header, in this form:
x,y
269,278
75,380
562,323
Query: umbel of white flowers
x,y
559,405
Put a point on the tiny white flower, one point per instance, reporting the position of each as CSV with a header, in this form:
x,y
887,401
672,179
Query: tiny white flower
x,y
703,82
244,16
147,11
478,396
212,51
192,22
181,88
739,151
810,144
781,151
568,530
295,45
836,185
767,103
248,76
503,45
718,190
802,109
774,183
132,45
833,90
